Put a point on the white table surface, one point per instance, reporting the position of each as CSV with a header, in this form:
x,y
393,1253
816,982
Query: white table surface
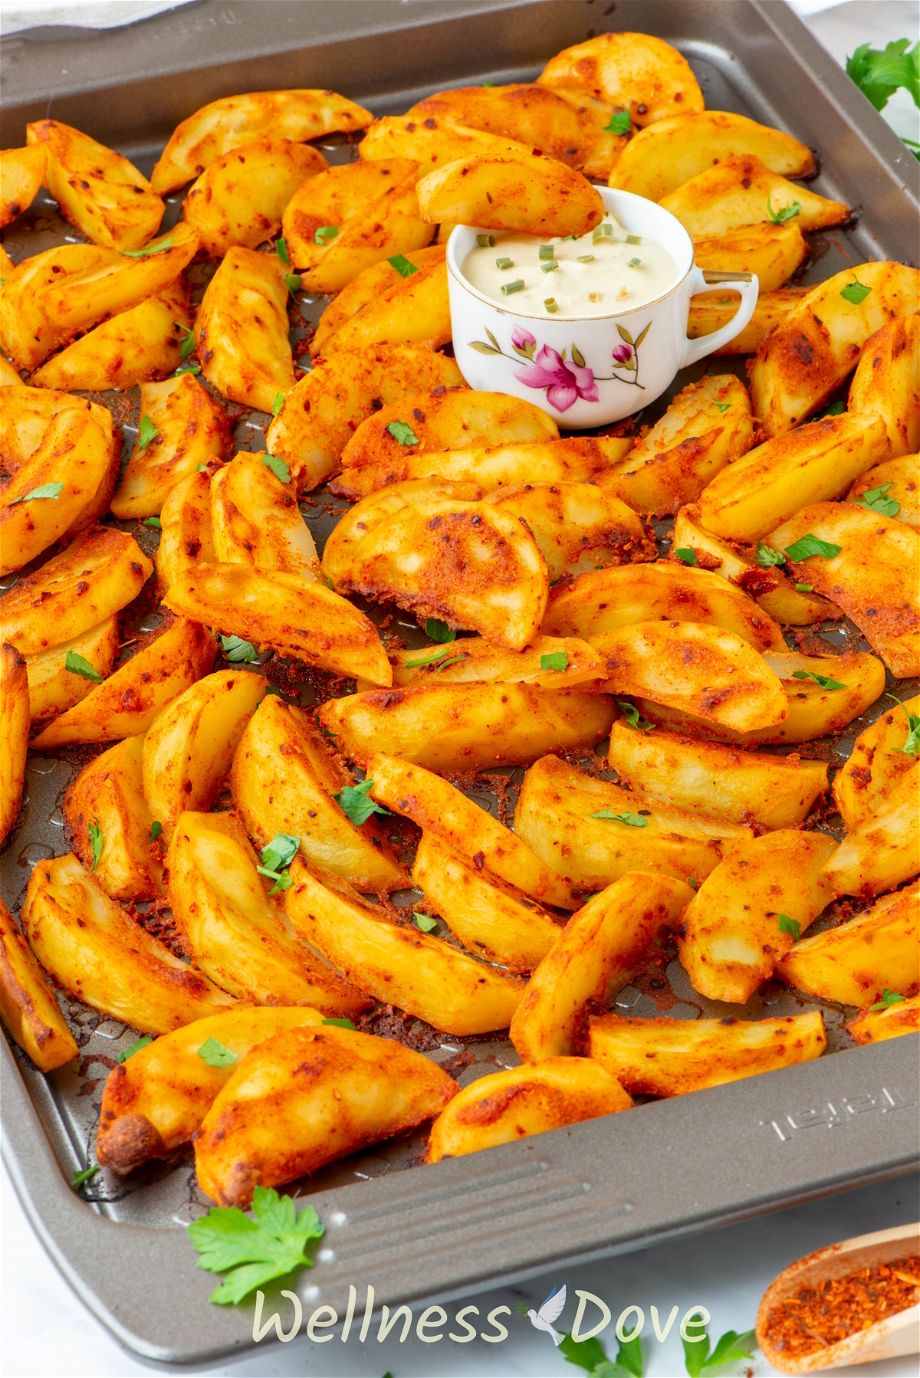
x,y
46,1333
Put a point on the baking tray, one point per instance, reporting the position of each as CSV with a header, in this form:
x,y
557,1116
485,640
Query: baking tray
x,y
667,1168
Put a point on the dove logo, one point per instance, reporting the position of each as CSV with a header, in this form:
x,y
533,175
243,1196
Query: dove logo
x,y
549,1312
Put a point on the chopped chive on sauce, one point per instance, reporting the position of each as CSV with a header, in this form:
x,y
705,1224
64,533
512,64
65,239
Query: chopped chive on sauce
x,y
634,263
549,267
547,253
551,305
504,263
634,239
585,258
485,241
509,287
604,231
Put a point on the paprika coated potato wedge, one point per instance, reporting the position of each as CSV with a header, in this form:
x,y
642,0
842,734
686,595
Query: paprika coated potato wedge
x,y
600,947
591,831
235,931
283,612
549,662
306,1097
671,1057
14,735
434,142
857,961
717,781
887,383
884,850
52,687
223,125
255,519
711,310
97,189
741,190
186,537
28,1006
867,566
633,71
484,915
420,974
368,516
91,948
284,779
168,662
413,310
539,196
362,292
577,526
240,197
892,484
22,171
155,1100
241,329
111,824
190,429
437,807
771,252
882,755
517,1102
893,1021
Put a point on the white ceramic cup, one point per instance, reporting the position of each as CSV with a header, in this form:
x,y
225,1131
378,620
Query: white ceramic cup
x,y
590,371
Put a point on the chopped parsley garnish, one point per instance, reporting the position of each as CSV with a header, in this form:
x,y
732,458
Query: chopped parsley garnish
x,y
339,1023
154,523
79,665
189,367
404,267
686,555
87,1175
324,233
825,681
634,718
356,804
632,820
855,292
591,1356
278,467
425,922
95,842
767,556
809,545
554,660
146,432
834,409
187,343
292,282
156,830
281,249
911,745
731,1349
620,123
402,433
237,651
254,1249
888,998
134,1048
215,1054
876,500
44,490
149,249
277,856
880,72
780,214
722,406
436,630
790,926
278,403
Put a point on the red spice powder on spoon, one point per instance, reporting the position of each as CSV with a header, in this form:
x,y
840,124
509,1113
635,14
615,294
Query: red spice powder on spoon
x,y
826,1312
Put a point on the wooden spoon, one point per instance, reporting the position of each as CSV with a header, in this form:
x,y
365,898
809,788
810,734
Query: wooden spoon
x,y
887,1339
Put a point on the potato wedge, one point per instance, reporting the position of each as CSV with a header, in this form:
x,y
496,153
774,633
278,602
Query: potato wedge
x,y
284,779
242,329
671,1057
484,915
705,428
898,481
422,975
97,575
376,281
255,519
857,961
748,911
800,364
872,579
297,618
52,687
22,171
895,1020
884,850
431,143
190,430
320,415
668,153
586,829
186,537
716,781
772,482
14,735
541,196
97,189
223,125
154,1102
467,726
634,71
599,949
90,946
472,659
879,760
773,252
440,809
106,801
167,662
741,190
240,197
711,310
9,376
506,1106
28,1005
232,928
412,311
577,526
306,1097
887,383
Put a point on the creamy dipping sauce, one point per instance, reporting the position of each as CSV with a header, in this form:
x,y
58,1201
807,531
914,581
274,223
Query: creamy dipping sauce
x,y
595,274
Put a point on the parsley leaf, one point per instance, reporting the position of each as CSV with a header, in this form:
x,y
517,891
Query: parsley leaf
x,y
402,433
634,718
586,1354
555,660
767,556
686,555
237,651
187,343
354,802
44,490
339,1023
436,630
323,233
722,406
146,432
633,820
809,545
911,745
95,842
292,282
254,1249
134,1048
880,72
425,922
278,403
278,467
215,1054
277,856
877,501
783,213
591,1356
86,1175
825,681
833,409
189,367
855,292
731,1349
281,249
790,926
889,998
620,123
154,523
149,249
79,665
156,830
402,265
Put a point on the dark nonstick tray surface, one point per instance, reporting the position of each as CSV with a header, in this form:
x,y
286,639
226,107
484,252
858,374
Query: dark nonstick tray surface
x,y
664,1169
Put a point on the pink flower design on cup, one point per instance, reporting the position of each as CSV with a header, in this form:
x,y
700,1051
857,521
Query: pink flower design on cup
x,y
564,382
523,341
622,353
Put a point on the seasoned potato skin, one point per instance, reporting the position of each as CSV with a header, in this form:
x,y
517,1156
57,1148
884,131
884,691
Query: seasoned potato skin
x,y
539,196
903,486
877,763
740,190
109,793
186,537
633,71
255,519
874,1026
882,851
246,357
472,659
28,1006
855,962
413,310
711,310
192,430
21,174
773,252
240,197
887,383
15,716
434,141
52,687
363,291
577,526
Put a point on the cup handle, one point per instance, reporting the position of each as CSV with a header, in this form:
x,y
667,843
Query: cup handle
x,y
745,283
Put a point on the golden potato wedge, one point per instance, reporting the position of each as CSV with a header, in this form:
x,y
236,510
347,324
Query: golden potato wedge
x,y
28,1006
242,329
467,726
22,171
235,931
97,189
154,1102
166,662
472,659
716,781
350,217
633,71
748,911
898,482
90,946
26,333
185,529
884,850
97,575
297,618
601,601
240,197
111,824
255,519
705,428
15,716
872,578
887,383
668,153
308,1096
397,964
741,190
590,831
857,961
190,743
9,376
411,311
598,952
577,526
772,482
320,415
878,761
800,364
772,252
232,121
484,915
899,1018
711,310
506,1106
468,830
373,282
432,143
26,414
52,687
376,510
540,196
190,429
670,1057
